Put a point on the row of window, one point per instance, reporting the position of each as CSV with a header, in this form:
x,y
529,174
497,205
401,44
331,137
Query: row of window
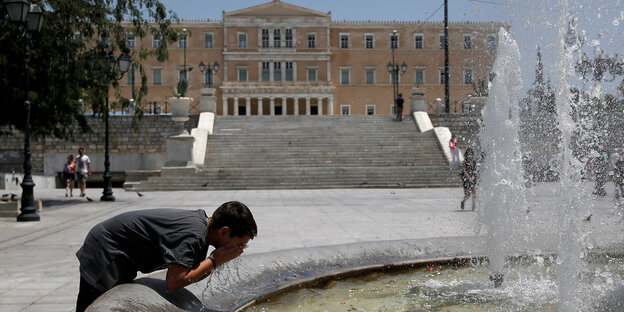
x,y
287,40
311,74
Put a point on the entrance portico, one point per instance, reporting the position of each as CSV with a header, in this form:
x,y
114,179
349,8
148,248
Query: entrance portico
x,y
284,99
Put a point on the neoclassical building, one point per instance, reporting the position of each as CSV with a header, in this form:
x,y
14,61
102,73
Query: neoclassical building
x,y
281,59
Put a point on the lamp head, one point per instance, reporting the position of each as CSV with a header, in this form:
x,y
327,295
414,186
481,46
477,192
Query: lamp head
x,y
35,18
17,9
124,62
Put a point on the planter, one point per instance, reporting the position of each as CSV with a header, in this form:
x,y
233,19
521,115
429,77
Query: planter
x,y
179,108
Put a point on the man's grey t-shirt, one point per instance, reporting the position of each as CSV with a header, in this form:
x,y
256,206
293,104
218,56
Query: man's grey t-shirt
x,y
145,240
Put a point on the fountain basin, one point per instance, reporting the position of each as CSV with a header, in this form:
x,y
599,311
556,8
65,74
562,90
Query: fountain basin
x,y
256,277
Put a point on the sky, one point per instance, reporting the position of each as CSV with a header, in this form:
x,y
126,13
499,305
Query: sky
x,y
533,22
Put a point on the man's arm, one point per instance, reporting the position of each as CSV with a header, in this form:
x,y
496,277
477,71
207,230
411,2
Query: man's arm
x,y
89,167
179,276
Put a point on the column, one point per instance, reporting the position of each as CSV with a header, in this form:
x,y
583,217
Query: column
x,y
330,105
225,106
272,104
235,106
320,106
248,106
284,106
260,106
308,106
296,103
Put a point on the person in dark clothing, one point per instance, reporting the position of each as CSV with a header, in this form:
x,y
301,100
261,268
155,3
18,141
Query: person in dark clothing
x,y
469,177
172,239
600,171
619,178
399,106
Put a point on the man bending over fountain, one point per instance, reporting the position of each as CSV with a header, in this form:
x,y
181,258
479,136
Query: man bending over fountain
x,y
149,240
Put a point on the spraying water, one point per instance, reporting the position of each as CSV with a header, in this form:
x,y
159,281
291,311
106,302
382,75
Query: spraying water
x,y
501,182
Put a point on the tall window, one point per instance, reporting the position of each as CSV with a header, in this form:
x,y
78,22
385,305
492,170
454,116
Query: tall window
x,y
418,41
312,74
370,76
289,71
344,76
394,41
467,42
242,74
277,71
131,40
265,38
441,41
420,76
277,38
491,43
442,77
157,76
468,76
266,71
156,41
182,41
370,39
345,110
208,44
242,40
344,41
370,109
289,38
311,40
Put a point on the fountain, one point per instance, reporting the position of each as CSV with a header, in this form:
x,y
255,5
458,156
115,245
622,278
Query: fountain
x,y
531,253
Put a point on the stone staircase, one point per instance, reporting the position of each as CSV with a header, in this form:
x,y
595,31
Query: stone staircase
x,y
464,126
312,152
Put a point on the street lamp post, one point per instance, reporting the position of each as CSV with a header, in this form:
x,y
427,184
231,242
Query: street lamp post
x,y
117,68
186,70
394,69
209,69
32,19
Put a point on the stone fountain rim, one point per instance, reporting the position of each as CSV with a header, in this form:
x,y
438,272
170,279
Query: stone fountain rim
x,y
445,250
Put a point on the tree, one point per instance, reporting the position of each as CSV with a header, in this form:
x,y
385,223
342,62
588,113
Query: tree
x,y
539,132
68,73
599,117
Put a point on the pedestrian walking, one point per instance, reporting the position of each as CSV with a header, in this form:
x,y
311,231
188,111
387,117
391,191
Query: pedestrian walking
x,y
399,106
454,152
69,175
83,170
600,172
153,239
469,178
618,178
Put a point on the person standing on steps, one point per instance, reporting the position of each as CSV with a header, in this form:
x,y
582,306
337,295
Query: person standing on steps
x,y
83,170
469,177
399,106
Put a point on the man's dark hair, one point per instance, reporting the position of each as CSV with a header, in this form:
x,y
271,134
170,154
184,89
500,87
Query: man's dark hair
x,y
80,150
237,217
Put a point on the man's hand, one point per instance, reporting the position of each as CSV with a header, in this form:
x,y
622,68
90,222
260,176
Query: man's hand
x,y
227,253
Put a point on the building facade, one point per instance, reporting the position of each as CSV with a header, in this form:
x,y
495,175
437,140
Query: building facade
x,y
281,59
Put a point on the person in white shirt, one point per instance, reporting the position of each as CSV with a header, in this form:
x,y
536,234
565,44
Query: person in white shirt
x,y
83,170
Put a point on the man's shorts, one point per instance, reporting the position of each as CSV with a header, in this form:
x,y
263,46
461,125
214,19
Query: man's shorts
x,y
82,177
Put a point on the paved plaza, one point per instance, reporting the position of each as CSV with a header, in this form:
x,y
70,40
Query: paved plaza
x,y
40,271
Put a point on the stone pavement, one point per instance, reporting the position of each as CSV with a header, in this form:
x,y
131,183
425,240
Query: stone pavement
x,y
40,271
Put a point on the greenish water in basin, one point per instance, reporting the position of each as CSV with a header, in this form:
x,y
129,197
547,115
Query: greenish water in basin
x,y
527,287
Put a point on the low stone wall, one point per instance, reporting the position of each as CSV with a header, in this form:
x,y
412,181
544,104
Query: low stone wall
x,y
142,149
